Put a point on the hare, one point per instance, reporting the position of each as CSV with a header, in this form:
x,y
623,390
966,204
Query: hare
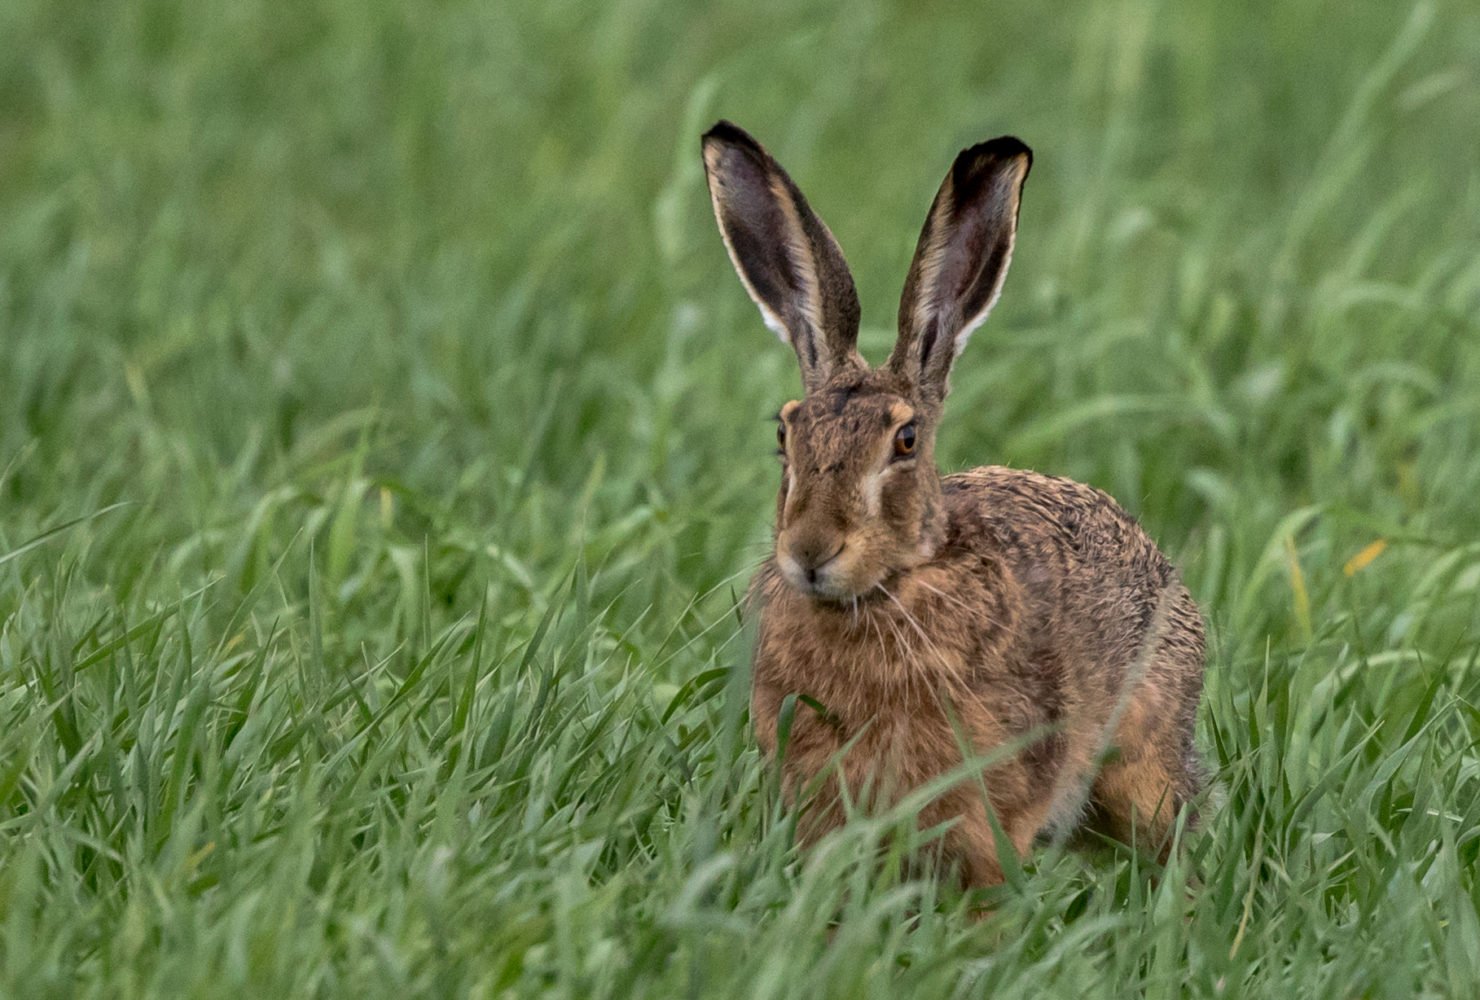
x,y
911,616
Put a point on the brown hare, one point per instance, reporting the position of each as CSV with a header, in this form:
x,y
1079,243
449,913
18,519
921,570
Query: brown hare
x,y
913,615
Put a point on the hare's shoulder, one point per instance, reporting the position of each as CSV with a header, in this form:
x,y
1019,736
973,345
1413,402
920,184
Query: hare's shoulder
x,y
1017,511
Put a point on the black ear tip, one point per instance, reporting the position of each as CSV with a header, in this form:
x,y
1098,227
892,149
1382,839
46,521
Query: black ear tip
x,y
1008,147
994,152
726,131
1004,147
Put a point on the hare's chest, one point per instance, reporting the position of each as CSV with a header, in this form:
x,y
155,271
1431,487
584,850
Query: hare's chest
x,y
884,750
866,720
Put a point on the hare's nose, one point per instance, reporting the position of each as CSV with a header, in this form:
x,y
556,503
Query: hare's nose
x,y
812,554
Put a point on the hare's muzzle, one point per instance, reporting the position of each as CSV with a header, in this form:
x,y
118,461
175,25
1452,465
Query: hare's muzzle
x,y
810,562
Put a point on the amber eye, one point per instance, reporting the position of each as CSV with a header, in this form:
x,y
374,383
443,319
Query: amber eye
x,y
904,441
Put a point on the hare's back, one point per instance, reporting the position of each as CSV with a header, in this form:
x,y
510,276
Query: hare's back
x,y
1028,515
1091,578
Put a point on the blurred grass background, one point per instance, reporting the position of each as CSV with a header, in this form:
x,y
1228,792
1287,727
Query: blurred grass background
x,y
402,332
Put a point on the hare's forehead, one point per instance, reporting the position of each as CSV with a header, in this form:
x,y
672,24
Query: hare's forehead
x,y
850,413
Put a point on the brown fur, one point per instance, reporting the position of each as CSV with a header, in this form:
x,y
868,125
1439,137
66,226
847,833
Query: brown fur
x,y
1002,606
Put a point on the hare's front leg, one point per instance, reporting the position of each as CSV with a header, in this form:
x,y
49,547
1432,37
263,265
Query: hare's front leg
x,y
765,710
974,846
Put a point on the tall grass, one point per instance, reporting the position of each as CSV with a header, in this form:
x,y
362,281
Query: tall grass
x,y
382,452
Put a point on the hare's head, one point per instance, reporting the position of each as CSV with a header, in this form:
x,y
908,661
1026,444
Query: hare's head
x,y
860,497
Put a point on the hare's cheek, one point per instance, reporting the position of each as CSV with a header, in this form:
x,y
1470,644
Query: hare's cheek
x,y
871,493
897,504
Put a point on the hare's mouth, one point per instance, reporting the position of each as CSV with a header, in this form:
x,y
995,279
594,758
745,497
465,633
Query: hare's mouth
x,y
838,577
822,577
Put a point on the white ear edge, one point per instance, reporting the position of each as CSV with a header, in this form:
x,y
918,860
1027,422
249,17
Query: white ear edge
x,y
930,263
767,316
773,322
969,327
1018,175
929,304
798,254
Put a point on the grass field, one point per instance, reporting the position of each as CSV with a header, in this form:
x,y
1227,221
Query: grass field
x,y
383,447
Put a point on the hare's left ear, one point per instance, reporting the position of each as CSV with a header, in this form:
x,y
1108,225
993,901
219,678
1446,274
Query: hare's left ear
x,y
961,260
787,259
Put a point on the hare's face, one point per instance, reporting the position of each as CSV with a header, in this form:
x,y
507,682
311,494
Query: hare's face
x,y
857,488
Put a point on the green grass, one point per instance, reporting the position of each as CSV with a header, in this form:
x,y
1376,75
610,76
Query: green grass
x,y
403,426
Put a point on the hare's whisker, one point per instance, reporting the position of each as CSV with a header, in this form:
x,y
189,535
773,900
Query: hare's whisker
x,y
916,626
975,609
950,598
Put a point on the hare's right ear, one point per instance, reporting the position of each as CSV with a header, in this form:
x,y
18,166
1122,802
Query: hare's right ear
x,y
961,260
788,260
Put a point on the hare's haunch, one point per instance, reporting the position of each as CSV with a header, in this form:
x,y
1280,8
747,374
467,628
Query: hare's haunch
x,y
997,607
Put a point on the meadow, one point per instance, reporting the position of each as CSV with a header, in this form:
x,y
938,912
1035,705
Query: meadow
x,y
384,448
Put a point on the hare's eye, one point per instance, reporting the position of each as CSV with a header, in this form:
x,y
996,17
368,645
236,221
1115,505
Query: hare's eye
x,y
904,441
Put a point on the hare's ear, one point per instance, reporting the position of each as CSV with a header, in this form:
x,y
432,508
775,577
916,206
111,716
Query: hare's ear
x,y
961,260
789,262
